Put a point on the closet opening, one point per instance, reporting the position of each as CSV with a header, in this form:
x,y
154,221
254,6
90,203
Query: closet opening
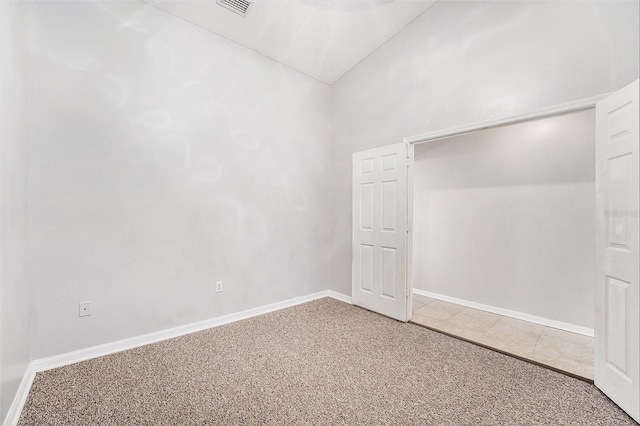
x,y
503,249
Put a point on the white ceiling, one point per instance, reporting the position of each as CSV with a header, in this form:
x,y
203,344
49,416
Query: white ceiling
x,y
321,38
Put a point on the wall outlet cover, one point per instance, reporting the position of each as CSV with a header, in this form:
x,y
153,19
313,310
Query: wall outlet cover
x,y
84,309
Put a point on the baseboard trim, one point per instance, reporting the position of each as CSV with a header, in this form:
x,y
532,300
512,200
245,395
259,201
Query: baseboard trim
x,y
56,361
339,296
61,360
13,416
585,331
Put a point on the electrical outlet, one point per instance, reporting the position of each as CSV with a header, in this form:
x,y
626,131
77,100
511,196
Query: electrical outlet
x,y
84,309
218,286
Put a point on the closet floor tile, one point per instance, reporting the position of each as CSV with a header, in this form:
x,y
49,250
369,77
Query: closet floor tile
x,y
574,353
463,330
422,320
415,305
422,300
472,322
512,344
512,326
439,310
560,349
568,337
566,364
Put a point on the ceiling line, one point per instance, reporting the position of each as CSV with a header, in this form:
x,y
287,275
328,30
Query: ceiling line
x,y
386,41
239,44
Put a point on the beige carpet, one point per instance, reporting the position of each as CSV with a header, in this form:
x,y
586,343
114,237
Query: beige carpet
x,y
323,362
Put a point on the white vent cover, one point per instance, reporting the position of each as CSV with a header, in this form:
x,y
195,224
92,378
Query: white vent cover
x,y
241,7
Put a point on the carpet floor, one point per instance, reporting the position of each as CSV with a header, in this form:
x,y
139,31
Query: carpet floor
x,y
323,362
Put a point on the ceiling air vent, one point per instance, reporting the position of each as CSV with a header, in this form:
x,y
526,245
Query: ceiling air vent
x,y
241,7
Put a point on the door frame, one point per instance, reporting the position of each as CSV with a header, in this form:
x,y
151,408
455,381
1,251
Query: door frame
x,y
411,141
552,111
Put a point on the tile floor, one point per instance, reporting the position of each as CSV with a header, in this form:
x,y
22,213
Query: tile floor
x,y
556,348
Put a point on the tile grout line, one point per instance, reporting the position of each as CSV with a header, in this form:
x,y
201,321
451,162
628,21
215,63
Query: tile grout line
x,y
492,325
538,341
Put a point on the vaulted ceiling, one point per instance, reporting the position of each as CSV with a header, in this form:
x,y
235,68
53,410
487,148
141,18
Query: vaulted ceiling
x,y
321,38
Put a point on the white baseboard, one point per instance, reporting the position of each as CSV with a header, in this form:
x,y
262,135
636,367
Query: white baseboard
x,y
339,296
508,313
21,397
61,360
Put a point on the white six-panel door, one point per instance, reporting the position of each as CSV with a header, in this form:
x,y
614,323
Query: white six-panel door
x,y
617,328
379,258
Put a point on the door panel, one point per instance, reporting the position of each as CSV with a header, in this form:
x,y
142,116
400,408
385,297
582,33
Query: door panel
x,y
366,268
380,220
617,328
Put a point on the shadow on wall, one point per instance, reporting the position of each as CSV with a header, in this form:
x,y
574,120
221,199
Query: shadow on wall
x,y
542,152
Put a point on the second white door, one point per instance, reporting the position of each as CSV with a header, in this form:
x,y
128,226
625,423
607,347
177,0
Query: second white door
x,y
379,268
617,331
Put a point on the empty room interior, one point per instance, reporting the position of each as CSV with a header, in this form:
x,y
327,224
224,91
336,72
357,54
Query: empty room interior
x,y
319,212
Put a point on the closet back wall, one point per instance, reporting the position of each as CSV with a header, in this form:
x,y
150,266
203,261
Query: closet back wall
x,y
164,158
506,217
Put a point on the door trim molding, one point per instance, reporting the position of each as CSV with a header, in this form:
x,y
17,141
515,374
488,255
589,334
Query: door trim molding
x,y
555,110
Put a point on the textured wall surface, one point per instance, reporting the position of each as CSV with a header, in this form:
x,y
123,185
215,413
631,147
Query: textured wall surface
x,y
506,217
467,62
14,287
164,158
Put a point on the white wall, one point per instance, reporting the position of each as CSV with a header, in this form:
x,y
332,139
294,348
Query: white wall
x,y
164,158
506,217
14,287
466,62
